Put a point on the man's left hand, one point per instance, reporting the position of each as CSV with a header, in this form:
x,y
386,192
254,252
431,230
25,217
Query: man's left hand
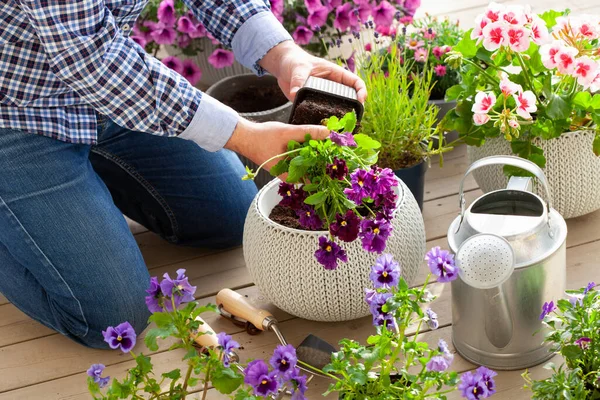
x,y
292,66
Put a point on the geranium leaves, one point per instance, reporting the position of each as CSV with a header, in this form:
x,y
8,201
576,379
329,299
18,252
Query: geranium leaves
x,y
467,46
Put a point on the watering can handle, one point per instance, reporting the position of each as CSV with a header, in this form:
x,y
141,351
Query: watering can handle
x,y
506,160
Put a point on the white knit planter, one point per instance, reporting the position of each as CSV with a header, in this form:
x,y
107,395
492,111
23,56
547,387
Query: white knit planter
x,y
210,74
572,170
282,263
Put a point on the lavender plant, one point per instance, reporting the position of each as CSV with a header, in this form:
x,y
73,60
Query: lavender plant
x,y
393,364
176,317
335,186
574,326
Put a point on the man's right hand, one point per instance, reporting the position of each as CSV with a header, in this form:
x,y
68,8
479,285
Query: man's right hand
x,y
261,141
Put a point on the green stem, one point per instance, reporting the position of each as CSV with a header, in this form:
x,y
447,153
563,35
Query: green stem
x,y
185,381
206,380
287,153
308,366
526,76
487,75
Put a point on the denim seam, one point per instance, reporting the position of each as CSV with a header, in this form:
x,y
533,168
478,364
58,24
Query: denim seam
x,y
43,259
140,179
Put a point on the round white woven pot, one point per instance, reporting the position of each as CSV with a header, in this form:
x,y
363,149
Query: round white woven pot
x,y
210,74
282,263
572,170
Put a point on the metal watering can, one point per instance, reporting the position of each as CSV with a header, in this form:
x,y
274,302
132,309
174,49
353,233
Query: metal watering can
x,y
510,249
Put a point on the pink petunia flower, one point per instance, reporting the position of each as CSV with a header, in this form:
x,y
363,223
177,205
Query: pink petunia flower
x,y
161,33
183,40
525,104
440,70
565,59
483,102
318,17
383,14
364,9
345,18
139,40
166,12
173,63
411,6
517,39
414,44
585,71
385,30
191,72
221,58
302,35
549,52
144,34
539,32
507,87
333,4
213,40
481,119
421,55
494,36
312,5
199,32
185,25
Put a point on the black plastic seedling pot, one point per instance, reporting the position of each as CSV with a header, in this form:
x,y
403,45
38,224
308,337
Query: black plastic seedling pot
x,y
320,99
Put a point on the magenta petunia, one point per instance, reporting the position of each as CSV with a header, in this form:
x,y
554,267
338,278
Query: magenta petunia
x,y
312,5
411,6
174,63
185,25
364,9
346,227
329,253
191,72
345,18
139,40
166,12
199,32
183,40
318,17
333,4
383,14
161,33
302,35
221,58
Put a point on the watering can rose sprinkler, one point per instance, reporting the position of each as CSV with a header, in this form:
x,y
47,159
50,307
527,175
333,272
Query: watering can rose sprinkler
x,y
511,253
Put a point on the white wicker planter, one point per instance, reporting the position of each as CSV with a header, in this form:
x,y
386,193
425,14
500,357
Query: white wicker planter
x,y
282,263
210,74
571,168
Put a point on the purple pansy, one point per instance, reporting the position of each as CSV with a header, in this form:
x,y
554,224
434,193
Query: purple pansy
x,y
345,17
590,286
576,300
258,376
121,336
154,296
179,288
387,204
173,63
374,234
300,386
329,253
318,17
438,364
302,35
547,308
284,361
308,218
221,58
383,13
95,372
441,264
337,170
381,181
432,319
385,319
342,139
346,227
487,377
359,188
583,342
385,274
291,197
227,345
376,301
472,386
444,349
166,12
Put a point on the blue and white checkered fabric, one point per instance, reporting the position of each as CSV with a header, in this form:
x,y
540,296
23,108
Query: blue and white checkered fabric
x,y
61,61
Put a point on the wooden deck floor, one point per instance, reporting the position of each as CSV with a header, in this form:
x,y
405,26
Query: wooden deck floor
x,y
37,363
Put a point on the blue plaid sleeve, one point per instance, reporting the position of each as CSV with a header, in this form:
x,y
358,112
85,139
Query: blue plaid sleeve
x,y
87,51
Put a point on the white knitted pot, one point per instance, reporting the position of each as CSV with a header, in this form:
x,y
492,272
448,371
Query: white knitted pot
x,y
282,263
210,74
572,170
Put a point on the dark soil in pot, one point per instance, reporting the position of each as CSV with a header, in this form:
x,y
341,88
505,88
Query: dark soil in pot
x,y
255,99
286,216
315,107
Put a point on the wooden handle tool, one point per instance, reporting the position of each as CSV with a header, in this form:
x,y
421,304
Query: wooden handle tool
x,y
237,305
205,335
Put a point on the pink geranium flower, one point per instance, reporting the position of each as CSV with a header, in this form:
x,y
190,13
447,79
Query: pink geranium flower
x,y
549,52
517,39
480,23
440,70
221,58
302,35
565,59
589,28
539,31
494,36
345,18
585,71
191,72
494,11
421,55
513,123
414,44
481,119
483,102
383,14
174,63
525,103
509,88
166,12
513,16
318,17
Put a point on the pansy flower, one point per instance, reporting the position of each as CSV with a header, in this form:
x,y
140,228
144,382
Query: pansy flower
x,y
308,218
374,234
95,372
329,253
441,263
346,227
262,381
385,274
227,345
284,360
121,336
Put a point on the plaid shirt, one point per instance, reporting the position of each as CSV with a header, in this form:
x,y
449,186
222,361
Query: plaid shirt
x,y
64,61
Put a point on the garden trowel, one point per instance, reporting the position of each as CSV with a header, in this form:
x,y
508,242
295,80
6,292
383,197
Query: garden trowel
x,y
313,351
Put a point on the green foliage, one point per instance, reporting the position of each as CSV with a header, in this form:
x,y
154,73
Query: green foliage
x,y
577,378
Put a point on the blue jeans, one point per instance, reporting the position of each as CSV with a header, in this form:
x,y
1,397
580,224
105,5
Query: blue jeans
x,y
67,257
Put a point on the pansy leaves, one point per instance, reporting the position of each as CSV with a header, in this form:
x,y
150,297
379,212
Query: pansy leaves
x,y
280,168
366,142
346,124
316,199
226,380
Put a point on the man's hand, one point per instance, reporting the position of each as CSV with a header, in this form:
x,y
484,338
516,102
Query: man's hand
x,y
261,141
292,66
